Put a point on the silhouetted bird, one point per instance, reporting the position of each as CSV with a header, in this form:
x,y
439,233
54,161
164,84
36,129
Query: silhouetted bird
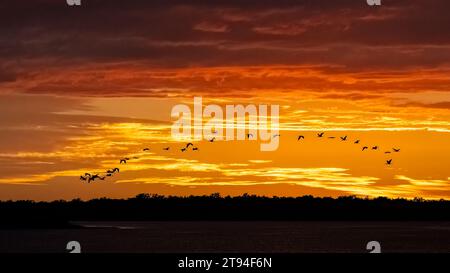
x,y
320,134
365,148
396,150
388,162
332,137
183,149
83,178
95,176
195,149
189,144
387,152
344,138
109,174
357,141
123,160
300,137
116,170
375,148
146,149
166,149
212,139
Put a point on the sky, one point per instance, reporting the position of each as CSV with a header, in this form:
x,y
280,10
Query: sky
x,y
82,87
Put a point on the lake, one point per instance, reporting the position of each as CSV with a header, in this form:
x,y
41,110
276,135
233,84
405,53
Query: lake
x,y
228,236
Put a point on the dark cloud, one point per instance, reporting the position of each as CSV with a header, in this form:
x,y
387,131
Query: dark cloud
x,y
47,35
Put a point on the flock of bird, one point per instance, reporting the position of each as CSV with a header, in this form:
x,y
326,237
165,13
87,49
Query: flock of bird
x,y
88,177
357,141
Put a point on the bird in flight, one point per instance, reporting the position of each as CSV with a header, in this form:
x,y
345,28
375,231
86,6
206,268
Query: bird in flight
x,y
183,149
357,141
212,139
332,137
365,148
375,148
344,138
95,176
113,170
300,137
249,135
320,134
387,152
189,144
146,149
123,160
388,162
195,149
166,149
396,150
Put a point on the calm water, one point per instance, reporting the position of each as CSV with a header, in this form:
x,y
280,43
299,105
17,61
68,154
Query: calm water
x,y
163,237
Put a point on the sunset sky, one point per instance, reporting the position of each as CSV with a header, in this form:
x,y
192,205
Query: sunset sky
x,y
82,87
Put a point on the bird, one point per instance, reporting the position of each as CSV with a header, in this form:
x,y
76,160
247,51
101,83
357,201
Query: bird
x,y
189,144
195,149
95,176
83,178
375,148
357,141
123,160
249,135
387,152
388,162
365,147
320,134
212,139
115,170
146,149
396,150
166,149
109,174
332,137
183,149
276,135
344,138
300,137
